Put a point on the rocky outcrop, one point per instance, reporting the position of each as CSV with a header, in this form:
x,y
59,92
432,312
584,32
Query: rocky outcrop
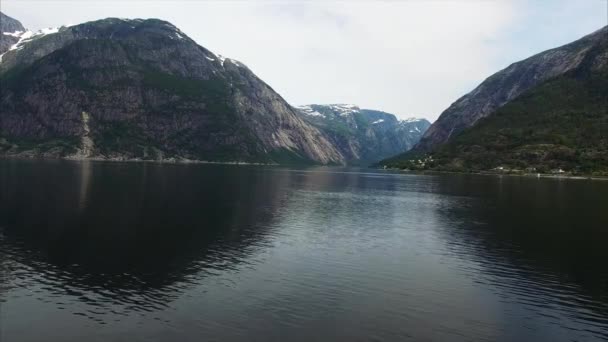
x,y
364,136
506,85
8,24
141,89
9,32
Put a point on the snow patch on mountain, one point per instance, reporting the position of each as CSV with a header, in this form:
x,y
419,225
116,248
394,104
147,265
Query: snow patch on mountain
x,y
364,135
13,34
344,109
28,36
223,59
307,110
407,123
412,119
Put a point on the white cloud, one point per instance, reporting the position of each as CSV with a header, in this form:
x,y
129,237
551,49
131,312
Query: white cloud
x,y
407,57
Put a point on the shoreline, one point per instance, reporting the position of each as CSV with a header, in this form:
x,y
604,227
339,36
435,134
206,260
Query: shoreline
x,y
488,173
184,161
137,160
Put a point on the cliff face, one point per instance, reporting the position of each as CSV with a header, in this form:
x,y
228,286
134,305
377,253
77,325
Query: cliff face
x,y
364,136
506,85
126,89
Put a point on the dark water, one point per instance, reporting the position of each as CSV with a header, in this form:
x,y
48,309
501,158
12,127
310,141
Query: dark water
x,y
148,252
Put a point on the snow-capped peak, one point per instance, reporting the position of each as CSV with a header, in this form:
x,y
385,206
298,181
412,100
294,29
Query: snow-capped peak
x,y
27,36
344,105
329,110
412,128
344,109
307,110
412,119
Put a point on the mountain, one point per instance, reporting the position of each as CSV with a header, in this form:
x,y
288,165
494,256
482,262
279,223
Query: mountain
x,y
10,29
364,136
506,85
142,89
559,123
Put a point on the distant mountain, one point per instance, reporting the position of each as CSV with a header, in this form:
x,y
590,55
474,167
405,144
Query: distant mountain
x,y
506,85
10,29
142,89
546,113
364,136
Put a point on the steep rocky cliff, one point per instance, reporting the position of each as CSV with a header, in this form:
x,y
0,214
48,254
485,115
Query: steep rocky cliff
x,y
364,136
141,89
506,85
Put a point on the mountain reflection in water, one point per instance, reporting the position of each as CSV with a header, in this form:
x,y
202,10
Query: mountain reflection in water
x,y
145,251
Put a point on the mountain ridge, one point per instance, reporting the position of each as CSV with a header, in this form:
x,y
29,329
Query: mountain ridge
x,y
364,136
558,125
504,86
122,89
225,113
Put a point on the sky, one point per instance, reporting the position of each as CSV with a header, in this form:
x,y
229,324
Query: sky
x,y
410,58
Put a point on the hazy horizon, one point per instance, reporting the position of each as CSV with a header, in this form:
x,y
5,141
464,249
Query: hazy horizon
x,y
408,58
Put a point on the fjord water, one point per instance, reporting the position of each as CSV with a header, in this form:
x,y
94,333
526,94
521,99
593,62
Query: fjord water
x,y
93,251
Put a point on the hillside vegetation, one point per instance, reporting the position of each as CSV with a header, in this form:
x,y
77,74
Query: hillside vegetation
x,y
561,124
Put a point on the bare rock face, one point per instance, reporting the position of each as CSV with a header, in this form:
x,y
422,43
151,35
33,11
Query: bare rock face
x,y
508,84
364,136
141,89
9,32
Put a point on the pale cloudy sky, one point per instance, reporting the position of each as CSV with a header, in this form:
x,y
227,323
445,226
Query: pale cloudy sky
x,y
411,58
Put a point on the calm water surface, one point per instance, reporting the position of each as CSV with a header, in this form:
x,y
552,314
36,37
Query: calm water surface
x,y
148,252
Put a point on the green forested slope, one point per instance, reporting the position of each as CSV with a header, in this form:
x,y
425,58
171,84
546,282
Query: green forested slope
x,y
561,124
